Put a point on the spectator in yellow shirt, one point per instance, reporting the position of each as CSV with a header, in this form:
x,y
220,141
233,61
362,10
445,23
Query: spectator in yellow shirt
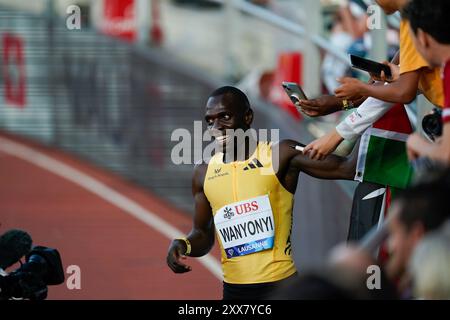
x,y
414,74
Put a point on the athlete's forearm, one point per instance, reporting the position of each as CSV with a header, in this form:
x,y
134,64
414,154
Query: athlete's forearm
x,y
332,167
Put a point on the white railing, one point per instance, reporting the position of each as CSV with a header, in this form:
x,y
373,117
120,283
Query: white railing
x,y
285,24
311,33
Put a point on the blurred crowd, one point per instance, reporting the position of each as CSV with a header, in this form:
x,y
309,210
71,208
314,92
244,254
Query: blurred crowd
x,y
348,31
412,244
418,265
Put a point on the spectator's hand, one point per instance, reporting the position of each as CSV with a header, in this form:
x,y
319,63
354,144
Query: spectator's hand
x,y
351,257
351,89
175,255
320,148
320,106
413,146
395,72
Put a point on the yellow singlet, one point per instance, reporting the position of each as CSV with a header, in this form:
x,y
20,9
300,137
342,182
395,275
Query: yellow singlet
x,y
248,202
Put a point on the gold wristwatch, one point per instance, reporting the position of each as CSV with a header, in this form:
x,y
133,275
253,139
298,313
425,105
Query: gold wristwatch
x,y
347,104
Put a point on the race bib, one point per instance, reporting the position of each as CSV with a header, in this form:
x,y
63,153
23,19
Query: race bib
x,y
246,227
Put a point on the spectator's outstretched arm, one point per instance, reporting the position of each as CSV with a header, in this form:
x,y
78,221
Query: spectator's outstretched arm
x,y
404,90
350,128
354,125
328,104
324,105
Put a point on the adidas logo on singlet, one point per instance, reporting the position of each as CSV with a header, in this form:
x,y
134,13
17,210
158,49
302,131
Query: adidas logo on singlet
x,y
253,164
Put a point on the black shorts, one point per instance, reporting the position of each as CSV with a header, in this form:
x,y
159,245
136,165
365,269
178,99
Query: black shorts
x,y
257,291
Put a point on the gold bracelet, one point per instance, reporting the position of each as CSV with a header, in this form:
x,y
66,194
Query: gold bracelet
x,y
347,105
188,246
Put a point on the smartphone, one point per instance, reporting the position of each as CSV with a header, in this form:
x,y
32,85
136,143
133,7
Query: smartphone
x,y
294,92
370,66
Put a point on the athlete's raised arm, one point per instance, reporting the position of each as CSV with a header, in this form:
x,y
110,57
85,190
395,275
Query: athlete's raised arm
x,y
331,167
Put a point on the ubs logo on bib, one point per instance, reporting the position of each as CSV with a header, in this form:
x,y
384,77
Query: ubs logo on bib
x,y
228,213
247,207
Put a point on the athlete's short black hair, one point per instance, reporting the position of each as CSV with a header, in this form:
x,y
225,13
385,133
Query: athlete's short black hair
x,y
232,96
427,202
432,16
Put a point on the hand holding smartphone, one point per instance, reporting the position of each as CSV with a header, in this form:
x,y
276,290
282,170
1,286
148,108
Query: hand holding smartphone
x,y
294,92
370,66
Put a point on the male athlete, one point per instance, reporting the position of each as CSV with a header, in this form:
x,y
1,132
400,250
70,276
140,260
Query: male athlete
x,y
248,201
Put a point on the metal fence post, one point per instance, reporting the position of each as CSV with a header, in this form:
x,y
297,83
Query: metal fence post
x,y
311,53
49,16
142,13
229,23
379,49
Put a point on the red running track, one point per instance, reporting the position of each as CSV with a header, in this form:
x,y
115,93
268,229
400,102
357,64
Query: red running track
x,y
120,257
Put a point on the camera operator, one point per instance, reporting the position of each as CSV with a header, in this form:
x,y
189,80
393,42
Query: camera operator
x,y
43,267
14,245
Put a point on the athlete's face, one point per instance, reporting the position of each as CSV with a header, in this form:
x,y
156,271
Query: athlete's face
x,y
222,119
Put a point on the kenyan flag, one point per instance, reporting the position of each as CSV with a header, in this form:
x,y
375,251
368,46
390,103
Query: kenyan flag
x,y
382,155
382,168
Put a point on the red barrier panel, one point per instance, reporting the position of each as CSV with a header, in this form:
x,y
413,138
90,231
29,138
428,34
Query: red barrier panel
x,y
289,68
14,70
119,19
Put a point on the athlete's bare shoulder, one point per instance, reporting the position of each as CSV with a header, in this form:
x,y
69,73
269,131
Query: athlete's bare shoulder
x,y
200,170
200,166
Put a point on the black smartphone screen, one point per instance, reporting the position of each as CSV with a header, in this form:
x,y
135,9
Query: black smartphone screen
x,y
370,66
